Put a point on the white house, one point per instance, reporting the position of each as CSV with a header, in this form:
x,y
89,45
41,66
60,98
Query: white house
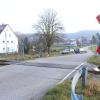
x,y
73,42
8,40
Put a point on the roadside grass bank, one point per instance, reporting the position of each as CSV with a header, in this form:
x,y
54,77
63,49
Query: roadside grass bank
x,y
94,59
63,91
93,48
20,57
10,57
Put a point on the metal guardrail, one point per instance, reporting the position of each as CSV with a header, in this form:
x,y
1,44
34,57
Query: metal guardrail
x,y
82,72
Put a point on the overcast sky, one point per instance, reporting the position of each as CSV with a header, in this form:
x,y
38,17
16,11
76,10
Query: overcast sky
x,y
76,15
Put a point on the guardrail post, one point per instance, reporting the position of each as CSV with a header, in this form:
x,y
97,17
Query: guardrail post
x,y
84,76
82,72
74,96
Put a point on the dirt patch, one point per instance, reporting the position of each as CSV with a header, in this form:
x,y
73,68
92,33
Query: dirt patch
x,y
91,69
92,73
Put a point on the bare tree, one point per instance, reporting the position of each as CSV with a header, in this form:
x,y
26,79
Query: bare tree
x,y
48,26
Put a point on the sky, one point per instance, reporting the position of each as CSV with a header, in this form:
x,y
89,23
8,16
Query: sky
x,y
75,15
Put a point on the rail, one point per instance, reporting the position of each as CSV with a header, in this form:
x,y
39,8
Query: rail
x,y
81,73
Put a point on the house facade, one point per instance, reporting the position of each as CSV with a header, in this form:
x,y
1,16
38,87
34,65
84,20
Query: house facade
x,y
8,40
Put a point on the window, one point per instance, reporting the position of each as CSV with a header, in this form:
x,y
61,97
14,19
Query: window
x,y
3,49
7,41
12,49
3,41
11,41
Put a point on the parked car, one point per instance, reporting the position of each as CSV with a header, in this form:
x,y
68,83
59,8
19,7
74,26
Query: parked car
x,y
66,51
77,50
82,50
71,50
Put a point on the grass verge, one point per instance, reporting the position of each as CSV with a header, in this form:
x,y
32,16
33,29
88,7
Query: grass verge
x,y
63,91
93,48
59,92
94,60
16,57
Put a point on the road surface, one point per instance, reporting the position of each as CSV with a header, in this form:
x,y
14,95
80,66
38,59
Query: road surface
x,y
29,80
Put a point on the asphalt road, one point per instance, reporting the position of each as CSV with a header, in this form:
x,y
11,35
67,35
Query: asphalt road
x,y
29,80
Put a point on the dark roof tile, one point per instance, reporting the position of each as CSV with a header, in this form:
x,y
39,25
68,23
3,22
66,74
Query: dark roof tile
x,y
2,27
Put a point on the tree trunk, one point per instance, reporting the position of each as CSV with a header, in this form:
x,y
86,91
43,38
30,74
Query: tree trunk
x,y
48,50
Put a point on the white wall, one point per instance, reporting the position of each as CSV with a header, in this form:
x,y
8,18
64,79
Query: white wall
x,y
8,41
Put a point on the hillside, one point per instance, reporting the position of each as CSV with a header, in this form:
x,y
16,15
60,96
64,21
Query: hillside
x,y
85,33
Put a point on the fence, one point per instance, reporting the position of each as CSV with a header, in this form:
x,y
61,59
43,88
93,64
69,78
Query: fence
x,y
82,72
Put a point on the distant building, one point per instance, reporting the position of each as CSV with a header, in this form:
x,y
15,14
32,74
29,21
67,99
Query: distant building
x,y
71,42
8,40
84,41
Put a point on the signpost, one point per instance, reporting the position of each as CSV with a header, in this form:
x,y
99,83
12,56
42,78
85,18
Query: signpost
x,y
98,18
98,46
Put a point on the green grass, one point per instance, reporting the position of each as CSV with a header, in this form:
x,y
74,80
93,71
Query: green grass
x,y
16,57
94,60
63,47
63,91
59,92
56,50
93,48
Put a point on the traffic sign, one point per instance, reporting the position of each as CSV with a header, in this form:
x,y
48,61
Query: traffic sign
x,y
98,18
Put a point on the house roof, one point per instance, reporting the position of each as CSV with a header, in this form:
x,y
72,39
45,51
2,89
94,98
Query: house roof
x,y
2,27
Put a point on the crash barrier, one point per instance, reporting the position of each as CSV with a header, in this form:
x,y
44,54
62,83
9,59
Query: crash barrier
x,y
81,73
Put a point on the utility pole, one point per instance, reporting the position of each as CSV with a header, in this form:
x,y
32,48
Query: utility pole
x,y
6,42
23,48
